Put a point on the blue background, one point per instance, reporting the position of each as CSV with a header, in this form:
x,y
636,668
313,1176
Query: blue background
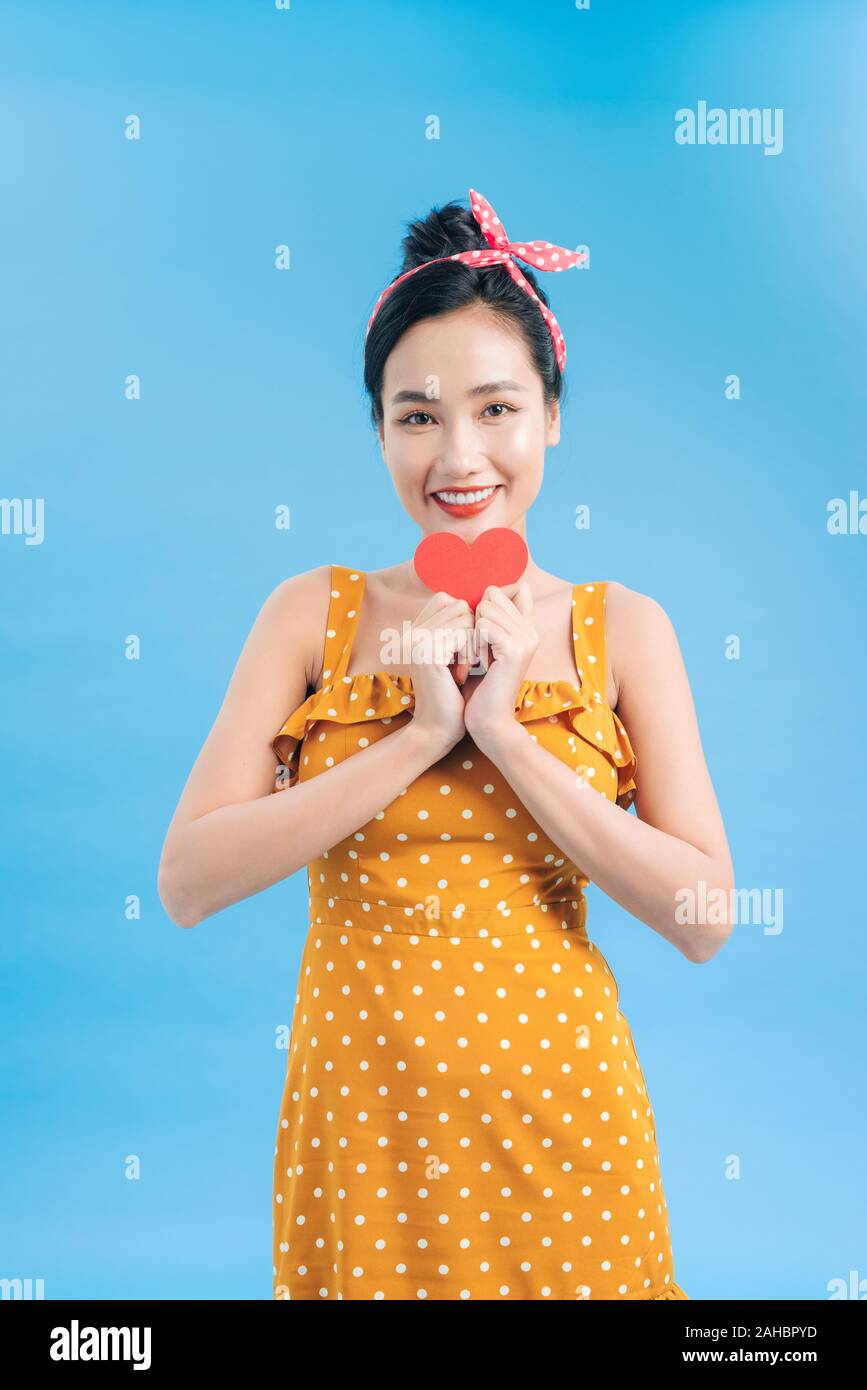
x,y
156,257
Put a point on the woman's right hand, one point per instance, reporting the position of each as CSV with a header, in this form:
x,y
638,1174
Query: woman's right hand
x,y
439,633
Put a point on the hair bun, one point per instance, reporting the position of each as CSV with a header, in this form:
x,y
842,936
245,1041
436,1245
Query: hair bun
x,y
444,231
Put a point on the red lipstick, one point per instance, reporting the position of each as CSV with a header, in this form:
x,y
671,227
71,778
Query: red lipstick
x,y
449,499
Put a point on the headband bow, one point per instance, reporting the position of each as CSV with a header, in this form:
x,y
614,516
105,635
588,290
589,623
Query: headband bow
x,y
541,255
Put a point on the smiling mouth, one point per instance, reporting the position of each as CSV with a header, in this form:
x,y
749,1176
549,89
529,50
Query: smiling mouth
x,y
465,501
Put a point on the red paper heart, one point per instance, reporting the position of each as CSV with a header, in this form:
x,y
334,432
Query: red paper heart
x,y
465,569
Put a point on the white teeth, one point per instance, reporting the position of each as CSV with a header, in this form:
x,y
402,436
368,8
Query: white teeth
x,y
465,498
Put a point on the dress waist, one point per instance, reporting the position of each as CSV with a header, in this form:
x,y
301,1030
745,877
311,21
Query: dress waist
x,y
527,919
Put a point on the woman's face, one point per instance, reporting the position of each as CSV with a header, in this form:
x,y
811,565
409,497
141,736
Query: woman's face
x,y
464,412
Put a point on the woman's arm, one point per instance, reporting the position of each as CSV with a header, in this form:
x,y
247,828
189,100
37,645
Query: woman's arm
x,y
230,837
678,837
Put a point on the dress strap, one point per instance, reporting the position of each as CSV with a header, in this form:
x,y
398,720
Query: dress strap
x,y
344,606
588,634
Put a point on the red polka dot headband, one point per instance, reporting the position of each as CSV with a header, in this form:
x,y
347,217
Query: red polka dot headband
x,y
541,255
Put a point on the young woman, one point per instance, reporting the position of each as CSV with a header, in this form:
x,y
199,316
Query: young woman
x,y
464,1115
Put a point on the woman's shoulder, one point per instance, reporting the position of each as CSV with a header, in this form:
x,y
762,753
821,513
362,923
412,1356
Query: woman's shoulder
x,y
637,628
298,593
631,605
296,612
631,615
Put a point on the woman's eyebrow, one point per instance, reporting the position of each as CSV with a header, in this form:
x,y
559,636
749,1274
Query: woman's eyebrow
x,y
484,390
487,387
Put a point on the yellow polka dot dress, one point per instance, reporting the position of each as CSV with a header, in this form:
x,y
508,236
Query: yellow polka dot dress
x,y
464,1114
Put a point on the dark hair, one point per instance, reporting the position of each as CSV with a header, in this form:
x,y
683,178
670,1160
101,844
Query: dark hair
x,y
453,285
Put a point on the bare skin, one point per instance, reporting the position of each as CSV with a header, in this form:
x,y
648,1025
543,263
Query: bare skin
x,y
230,837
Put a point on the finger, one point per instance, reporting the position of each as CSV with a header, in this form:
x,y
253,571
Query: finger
x,y
442,645
501,610
496,594
496,602
451,645
493,636
518,593
461,636
444,607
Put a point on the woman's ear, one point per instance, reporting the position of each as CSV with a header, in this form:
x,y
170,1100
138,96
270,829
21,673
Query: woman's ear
x,y
552,433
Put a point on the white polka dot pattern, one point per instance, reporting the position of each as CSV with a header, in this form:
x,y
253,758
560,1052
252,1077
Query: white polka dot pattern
x,y
464,1114
541,255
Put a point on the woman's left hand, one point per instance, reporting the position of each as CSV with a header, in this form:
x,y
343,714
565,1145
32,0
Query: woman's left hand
x,y
504,626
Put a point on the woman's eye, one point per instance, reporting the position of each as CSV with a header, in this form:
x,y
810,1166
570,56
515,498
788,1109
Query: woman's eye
x,y
499,405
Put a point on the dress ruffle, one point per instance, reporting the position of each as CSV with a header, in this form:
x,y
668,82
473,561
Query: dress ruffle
x,y
672,1291
354,699
592,720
